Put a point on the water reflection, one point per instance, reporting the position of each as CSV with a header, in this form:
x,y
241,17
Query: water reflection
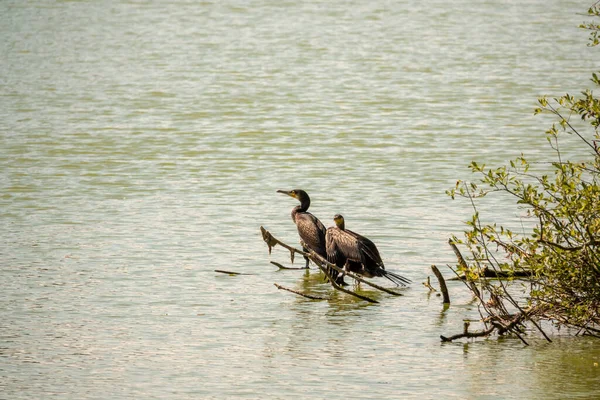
x,y
540,370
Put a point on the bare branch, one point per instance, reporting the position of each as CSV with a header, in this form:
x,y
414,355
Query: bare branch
x,y
321,263
443,287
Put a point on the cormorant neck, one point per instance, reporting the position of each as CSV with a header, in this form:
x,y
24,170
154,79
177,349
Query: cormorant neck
x,y
304,204
341,225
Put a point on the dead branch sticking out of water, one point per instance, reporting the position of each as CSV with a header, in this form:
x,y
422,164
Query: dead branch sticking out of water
x,y
324,266
427,284
308,296
443,286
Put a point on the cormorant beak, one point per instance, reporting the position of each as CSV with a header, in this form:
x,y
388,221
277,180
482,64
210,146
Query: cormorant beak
x,y
289,193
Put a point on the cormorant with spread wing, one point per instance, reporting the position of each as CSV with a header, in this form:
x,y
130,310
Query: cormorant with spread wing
x,y
310,229
356,253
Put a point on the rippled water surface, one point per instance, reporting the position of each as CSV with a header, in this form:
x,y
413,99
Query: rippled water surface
x,y
142,147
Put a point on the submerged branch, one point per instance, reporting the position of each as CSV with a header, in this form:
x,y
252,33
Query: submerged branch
x,y
284,267
496,323
468,334
308,296
230,272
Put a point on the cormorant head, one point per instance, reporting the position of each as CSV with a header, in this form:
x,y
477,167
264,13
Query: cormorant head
x,y
298,194
339,221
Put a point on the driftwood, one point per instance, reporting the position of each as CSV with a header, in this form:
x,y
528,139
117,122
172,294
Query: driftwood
x,y
324,266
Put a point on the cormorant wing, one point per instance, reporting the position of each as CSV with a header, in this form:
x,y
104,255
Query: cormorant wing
x,y
343,245
367,248
333,255
312,232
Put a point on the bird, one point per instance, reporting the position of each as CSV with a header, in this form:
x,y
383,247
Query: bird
x,y
356,253
310,229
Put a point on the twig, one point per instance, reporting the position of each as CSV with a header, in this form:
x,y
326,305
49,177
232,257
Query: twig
x,y
427,284
443,287
308,296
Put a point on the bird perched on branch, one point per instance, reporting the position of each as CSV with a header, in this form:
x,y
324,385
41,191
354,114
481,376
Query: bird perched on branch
x,y
310,229
356,253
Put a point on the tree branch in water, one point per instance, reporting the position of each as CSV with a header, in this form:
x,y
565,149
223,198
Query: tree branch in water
x,y
443,287
308,296
284,267
323,265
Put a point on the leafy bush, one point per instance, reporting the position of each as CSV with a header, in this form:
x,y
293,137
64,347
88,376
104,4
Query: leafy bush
x,y
561,253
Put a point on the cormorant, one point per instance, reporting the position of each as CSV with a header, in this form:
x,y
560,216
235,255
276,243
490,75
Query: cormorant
x,y
356,253
310,229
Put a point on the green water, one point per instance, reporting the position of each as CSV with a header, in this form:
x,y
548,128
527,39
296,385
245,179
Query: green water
x,y
142,147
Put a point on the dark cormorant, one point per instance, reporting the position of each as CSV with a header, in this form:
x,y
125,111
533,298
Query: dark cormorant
x,y
356,253
310,229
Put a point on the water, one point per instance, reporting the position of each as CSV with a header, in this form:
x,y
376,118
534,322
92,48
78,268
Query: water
x,y
142,147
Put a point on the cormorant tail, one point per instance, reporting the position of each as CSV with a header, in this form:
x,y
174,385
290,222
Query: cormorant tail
x,y
395,278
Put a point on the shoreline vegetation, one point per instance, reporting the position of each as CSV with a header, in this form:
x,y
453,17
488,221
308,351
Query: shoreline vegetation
x,y
557,263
